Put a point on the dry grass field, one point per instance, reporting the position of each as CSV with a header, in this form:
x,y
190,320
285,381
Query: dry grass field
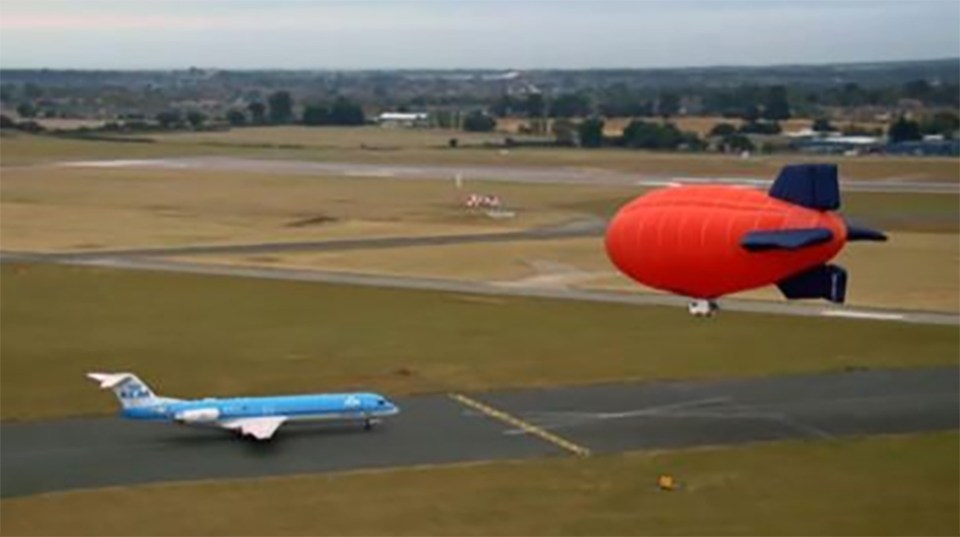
x,y
46,209
912,271
392,146
19,149
69,124
366,144
375,138
903,485
489,262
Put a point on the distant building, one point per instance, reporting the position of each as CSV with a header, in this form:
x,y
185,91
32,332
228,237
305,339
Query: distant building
x,y
403,119
835,144
925,148
810,141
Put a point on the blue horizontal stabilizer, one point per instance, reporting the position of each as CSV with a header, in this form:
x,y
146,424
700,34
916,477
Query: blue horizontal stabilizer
x,y
810,185
822,281
856,232
786,239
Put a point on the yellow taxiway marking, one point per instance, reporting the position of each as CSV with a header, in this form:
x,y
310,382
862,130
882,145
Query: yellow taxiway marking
x,y
529,428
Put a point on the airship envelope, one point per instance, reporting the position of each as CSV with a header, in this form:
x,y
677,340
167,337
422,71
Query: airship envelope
x,y
708,241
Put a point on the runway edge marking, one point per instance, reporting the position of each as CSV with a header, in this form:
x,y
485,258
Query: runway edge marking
x,y
543,434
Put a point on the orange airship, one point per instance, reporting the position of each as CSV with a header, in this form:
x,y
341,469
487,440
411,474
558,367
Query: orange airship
x,y
704,242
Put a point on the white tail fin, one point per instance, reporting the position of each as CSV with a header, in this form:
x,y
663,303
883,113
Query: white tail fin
x,y
129,389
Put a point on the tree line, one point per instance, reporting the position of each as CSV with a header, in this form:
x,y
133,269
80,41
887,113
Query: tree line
x,y
943,124
760,109
279,109
638,134
748,102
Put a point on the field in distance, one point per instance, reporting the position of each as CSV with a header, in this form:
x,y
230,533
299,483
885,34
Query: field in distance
x,y
391,146
913,271
49,209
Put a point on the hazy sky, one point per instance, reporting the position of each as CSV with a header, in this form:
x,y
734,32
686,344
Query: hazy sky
x,y
132,34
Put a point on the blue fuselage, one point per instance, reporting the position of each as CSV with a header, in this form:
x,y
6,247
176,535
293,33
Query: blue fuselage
x,y
293,407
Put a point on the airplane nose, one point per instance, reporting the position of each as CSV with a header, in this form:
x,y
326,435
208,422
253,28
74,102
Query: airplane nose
x,y
387,406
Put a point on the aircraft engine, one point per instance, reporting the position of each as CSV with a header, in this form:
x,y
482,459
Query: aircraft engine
x,y
198,415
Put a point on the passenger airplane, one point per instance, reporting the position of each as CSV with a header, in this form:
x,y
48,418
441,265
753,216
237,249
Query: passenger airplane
x,y
258,417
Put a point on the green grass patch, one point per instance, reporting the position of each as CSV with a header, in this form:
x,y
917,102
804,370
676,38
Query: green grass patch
x,y
194,335
877,486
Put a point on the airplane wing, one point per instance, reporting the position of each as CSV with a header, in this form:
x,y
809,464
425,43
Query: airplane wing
x,y
259,428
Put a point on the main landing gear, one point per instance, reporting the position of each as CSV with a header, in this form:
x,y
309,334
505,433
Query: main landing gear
x,y
702,308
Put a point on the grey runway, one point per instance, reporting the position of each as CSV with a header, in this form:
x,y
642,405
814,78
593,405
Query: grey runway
x,y
97,452
579,228
436,429
520,174
481,288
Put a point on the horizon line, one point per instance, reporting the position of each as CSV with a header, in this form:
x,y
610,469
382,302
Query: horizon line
x,y
486,68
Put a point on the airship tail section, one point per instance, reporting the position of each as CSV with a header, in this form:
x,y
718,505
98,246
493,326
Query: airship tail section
x,y
822,281
809,185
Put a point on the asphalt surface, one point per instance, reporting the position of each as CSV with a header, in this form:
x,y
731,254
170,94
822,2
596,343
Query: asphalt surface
x,y
519,174
803,309
96,452
591,227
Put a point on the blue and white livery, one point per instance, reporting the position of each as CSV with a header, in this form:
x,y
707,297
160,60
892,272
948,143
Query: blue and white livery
x,y
257,417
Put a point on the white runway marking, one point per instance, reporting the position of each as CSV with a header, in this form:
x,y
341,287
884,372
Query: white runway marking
x,y
142,163
369,173
647,182
108,163
853,314
732,180
700,408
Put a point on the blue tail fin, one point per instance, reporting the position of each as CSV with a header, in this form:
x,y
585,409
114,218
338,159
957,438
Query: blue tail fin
x,y
822,281
810,185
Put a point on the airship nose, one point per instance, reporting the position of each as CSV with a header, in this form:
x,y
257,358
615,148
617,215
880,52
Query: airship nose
x,y
618,240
